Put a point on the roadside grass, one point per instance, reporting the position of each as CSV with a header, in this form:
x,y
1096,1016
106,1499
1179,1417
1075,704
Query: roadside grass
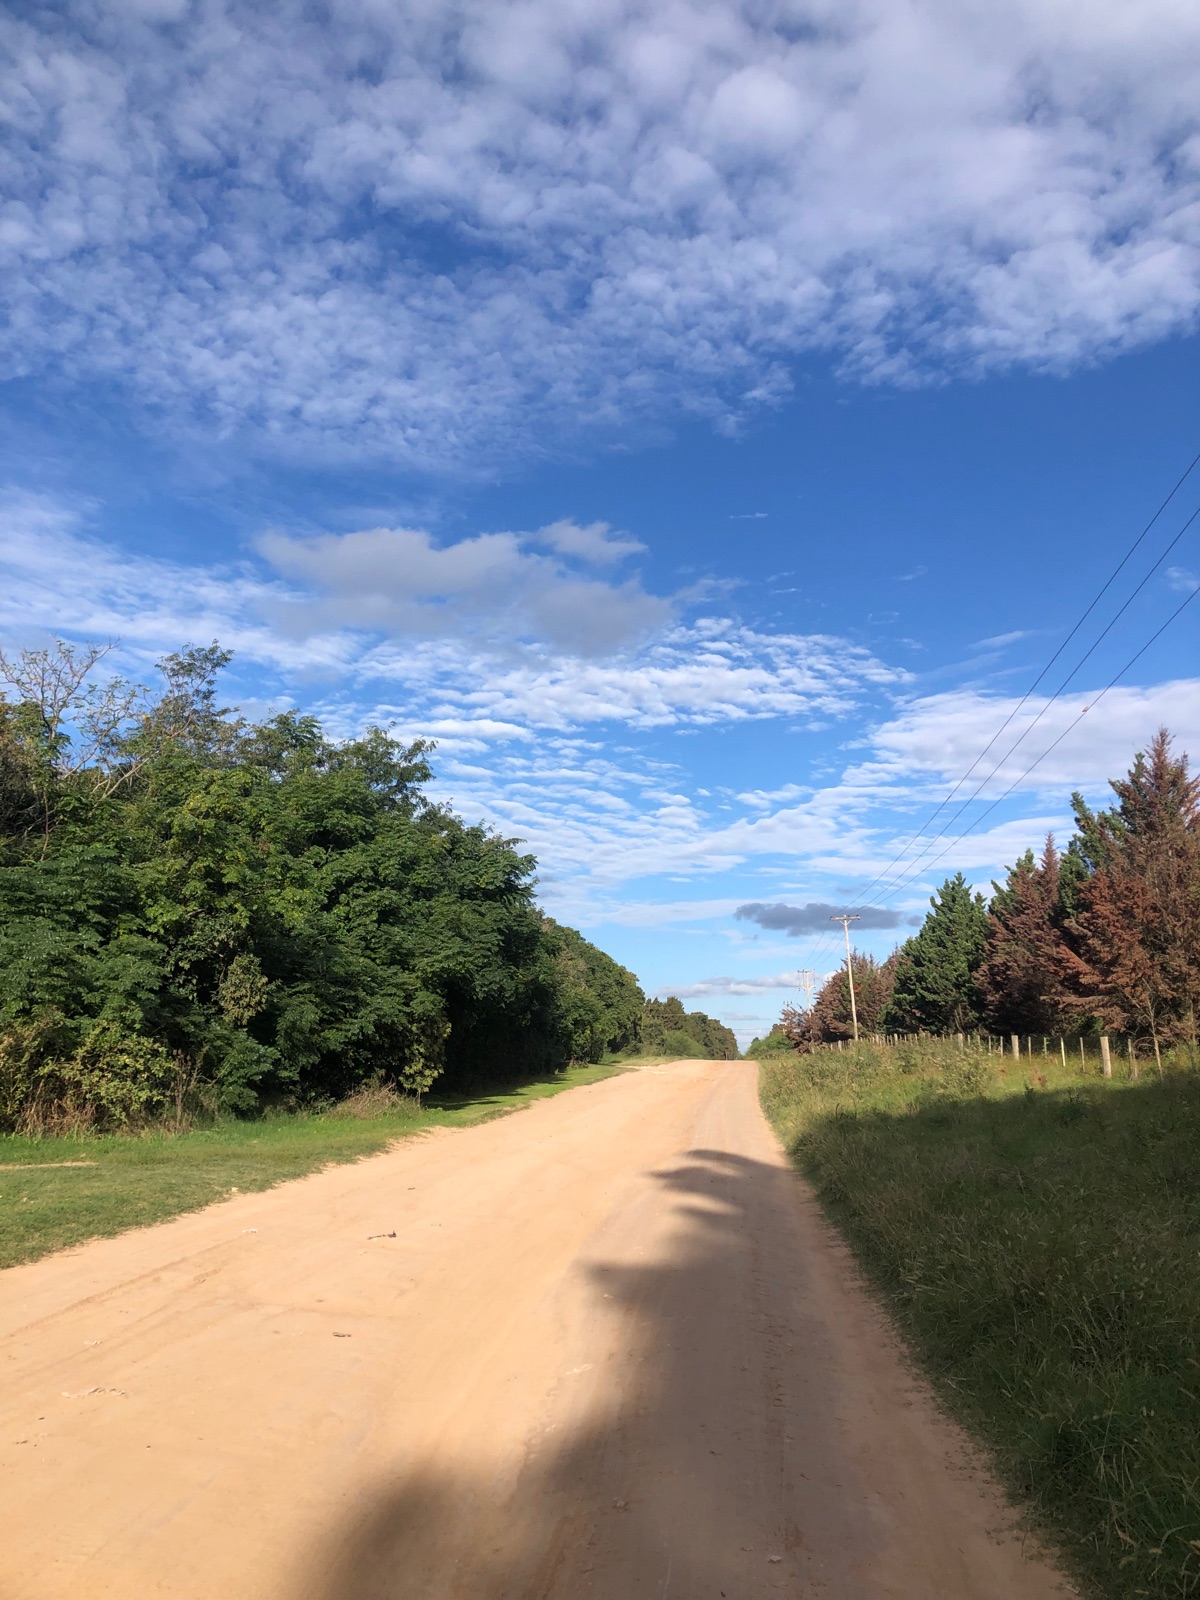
x,y
56,1192
1037,1232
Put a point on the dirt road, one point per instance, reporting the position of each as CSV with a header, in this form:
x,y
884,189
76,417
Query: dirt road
x,y
604,1348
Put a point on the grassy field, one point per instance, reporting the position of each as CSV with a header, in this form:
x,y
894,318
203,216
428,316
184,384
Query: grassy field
x,y
1037,1232
56,1192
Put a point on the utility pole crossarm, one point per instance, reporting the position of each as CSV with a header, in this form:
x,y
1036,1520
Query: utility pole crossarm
x,y
846,918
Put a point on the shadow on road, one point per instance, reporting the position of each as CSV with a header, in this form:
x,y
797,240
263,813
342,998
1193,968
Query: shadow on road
x,y
708,1465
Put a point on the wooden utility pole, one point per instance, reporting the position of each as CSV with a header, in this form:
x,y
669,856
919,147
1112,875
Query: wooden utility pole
x,y
806,983
846,920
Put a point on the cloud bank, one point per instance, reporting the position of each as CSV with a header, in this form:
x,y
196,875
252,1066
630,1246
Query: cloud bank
x,y
814,917
447,233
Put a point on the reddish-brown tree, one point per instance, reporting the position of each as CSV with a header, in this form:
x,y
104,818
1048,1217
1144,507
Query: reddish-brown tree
x,y
1133,948
1020,980
830,1018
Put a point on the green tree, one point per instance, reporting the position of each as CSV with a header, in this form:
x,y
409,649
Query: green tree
x,y
667,1029
935,970
771,1045
259,911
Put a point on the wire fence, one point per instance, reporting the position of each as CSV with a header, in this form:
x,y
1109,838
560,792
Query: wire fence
x,y
1098,1053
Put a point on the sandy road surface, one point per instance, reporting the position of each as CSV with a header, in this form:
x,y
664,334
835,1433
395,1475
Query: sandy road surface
x,y
604,1348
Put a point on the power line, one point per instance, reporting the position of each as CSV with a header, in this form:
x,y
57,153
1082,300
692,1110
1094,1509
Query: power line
x,y
825,940
1095,601
1017,742
1091,706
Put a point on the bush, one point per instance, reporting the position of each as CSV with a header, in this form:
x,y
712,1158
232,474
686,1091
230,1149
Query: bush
x,y
109,1080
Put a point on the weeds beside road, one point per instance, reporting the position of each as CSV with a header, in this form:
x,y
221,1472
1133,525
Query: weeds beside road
x,y
1037,1232
58,1192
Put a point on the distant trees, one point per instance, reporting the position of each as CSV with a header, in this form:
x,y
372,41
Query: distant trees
x,y
773,1043
1105,935
190,903
667,1029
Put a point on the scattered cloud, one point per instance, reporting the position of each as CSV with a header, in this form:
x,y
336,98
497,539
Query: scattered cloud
x,y
814,917
937,737
548,746
596,543
999,641
723,986
452,234
910,577
1181,580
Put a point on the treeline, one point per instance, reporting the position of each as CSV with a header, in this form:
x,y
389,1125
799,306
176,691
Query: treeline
x,y
196,908
1102,937
667,1029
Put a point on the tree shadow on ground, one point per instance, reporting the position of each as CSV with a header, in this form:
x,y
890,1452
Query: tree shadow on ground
x,y
711,1470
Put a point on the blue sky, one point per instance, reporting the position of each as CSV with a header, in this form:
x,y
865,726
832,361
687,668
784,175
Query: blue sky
x,y
704,420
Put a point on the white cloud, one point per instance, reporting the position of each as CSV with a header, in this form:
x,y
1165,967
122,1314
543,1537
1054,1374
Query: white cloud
x,y
595,543
939,736
492,589
450,232
723,986
999,640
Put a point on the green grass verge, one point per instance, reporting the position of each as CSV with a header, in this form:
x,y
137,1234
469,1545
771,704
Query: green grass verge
x,y
1039,1241
128,1181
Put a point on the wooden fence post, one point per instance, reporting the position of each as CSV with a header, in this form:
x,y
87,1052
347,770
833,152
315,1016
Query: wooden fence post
x,y
1062,1045
961,1041
1016,1044
1133,1060
1105,1058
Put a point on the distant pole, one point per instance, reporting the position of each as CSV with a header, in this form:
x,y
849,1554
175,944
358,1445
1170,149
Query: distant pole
x,y
846,920
1105,1057
806,983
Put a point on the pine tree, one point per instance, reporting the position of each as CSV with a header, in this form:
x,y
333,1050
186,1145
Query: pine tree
x,y
935,969
1133,948
1020,978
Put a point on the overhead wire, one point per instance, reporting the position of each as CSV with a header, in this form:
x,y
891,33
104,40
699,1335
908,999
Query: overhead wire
x,y
825,941
1016,710
1074,723
1113,620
